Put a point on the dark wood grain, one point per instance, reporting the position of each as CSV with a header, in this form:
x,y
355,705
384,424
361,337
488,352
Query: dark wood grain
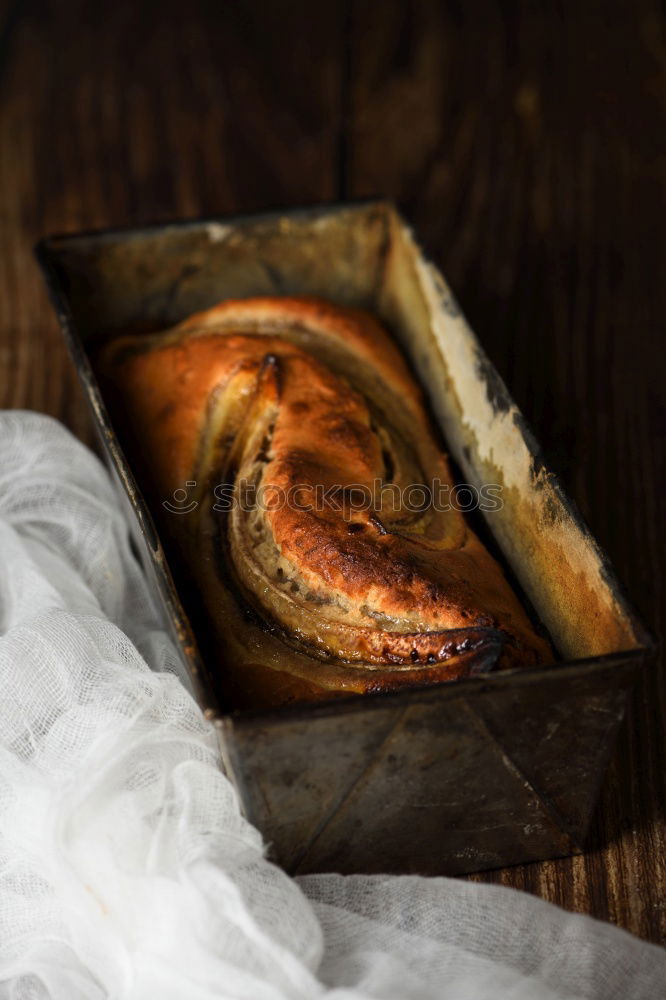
x,y
531,160
523,140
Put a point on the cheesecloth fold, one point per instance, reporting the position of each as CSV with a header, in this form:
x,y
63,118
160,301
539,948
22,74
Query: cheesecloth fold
x,y
126,869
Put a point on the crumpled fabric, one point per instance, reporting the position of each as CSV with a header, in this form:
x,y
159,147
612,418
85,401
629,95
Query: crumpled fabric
x,y
126,868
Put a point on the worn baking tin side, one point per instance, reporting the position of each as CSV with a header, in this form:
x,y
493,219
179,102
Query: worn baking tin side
x,y
143,532
547,544
457,778
453,779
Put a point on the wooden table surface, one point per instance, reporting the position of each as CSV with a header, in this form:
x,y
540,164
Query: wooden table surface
x,y
521,139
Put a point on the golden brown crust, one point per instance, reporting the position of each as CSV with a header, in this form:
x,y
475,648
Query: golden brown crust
x,y
310,409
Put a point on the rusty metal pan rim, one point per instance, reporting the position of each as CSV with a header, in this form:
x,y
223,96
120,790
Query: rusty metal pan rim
x,y
315,210
463,688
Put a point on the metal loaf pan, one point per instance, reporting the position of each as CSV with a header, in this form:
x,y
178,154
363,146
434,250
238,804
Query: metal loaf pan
x,y
469,775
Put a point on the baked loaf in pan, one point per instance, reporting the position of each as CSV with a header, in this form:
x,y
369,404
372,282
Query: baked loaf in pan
x,y
312,519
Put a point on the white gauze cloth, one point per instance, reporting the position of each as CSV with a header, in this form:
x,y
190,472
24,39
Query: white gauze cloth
x,y
126,869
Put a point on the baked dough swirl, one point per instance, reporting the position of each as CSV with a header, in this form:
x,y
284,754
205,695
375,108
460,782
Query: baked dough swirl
x,y
323,564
